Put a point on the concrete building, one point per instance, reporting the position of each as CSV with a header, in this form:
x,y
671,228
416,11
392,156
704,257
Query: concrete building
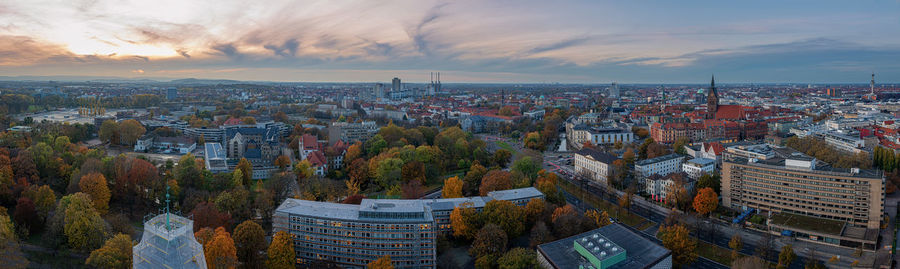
x,y
662,165
351,236
612,246
579,134
658,186
843,142
171,94
351,132
595,164
806,198
215,158
696,167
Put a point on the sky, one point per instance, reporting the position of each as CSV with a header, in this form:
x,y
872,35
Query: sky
x,y
466,40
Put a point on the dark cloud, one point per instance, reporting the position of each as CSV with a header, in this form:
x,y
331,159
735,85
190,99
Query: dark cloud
x,y
228,50
378,49
183,53
420,33
286,49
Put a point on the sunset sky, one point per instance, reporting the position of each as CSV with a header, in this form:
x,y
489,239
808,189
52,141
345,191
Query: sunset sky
x,y
468,41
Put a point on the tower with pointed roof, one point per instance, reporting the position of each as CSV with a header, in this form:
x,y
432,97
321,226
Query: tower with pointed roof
x,y
712,100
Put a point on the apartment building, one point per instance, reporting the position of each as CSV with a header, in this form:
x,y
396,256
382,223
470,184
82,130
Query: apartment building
x,y
351,236
798,186
696,167
844,142
351,132
594,163
662,166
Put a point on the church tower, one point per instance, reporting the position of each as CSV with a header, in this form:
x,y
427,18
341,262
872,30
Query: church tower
x,y
712,100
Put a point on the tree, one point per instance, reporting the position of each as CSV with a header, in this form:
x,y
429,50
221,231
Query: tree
x,y
359,171
599,219
84,229
786,257
187,172
709,181
10,253
115,253
94,184
237,178
706,201
353,152
679,145
473,178
527,166
501,157
412,190
505,214
749,262
677,239
625,199
130,131
464,221
26,216
628,156
207,215
490,240
539,234
219,250
281,252
381,263
246,170
534,210
282,162
413,170
533,140
248,120
735,244
250,241
495,180
109,132
304,169
452,188
518,258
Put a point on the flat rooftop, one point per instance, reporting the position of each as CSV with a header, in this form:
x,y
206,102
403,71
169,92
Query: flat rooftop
x,y
642,251
660,159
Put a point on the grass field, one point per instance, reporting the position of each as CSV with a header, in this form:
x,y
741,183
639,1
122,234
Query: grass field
x,y
506,146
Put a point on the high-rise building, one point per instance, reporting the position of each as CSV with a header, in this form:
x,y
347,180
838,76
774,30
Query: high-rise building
x,y
614,90
379,90
804,197
712,100
172,93
395,85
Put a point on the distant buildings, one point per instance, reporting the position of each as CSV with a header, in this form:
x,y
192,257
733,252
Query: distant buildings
x,y
596,164
155,143
352,132
802,195
215,158
171,94
352,236
612,246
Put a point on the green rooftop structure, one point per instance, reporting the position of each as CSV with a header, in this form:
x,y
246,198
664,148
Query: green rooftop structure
x,y
599,251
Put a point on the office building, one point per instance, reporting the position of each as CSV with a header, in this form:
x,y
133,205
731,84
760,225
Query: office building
x,y
696,167
612,246
807,198
171,94
844,142
215,158
662,165
594,164
395,85
352,236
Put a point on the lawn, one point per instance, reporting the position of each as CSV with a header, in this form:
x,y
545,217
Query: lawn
x,y
505,146
715,253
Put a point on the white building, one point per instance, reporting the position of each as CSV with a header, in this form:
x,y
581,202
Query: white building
x,y
662,166
844,142
594,163
694,168
659,186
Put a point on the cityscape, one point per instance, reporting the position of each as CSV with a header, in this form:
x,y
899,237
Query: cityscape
x,y
433,134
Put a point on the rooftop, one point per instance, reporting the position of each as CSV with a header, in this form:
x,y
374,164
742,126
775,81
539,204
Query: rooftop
x,y
597,155
660,159
515,194
642,251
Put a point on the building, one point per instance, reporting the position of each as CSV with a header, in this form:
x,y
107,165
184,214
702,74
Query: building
x,y
612,246
662,165
152,142
844,142
168,242
712,100
352,132
595,164
215,158
806,198
171,94
658,187
614,90
696,167
352,236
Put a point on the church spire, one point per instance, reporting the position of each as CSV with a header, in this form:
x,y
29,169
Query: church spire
x,y
712,100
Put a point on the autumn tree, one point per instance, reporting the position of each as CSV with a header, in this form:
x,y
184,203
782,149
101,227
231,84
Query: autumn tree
x,y
219,250
706,201
237,178
518,258
187,172
130,131
116,253
750,262
26,216
677,239
453,188
250,241
599,219
109,132
786,257
534,210
246,170
501,157
413,170
539,234
490,240
358,171
84,229
735,244
94,184
282,162
505,214
10,254
381,263
710,181
207,215
495,180
473,179
353,152
304,169
464,221
533,140
281,252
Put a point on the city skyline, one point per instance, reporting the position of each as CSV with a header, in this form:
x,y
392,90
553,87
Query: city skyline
x,y
468,41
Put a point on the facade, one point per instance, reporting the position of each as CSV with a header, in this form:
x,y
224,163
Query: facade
x,y
352,132
596,164
352,236
171,94
612,246
155,143
844,142
794,184
658,187
662,165
168,242
578,134
696,167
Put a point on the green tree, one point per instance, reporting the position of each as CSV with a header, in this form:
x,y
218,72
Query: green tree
x,y
109,132
786,257
710,181
130,131
527,166
115,253
10,253
281,252
83,228
518,258
388,172
473,179
250,240
187,173
237,178
501,157
246,170
680,145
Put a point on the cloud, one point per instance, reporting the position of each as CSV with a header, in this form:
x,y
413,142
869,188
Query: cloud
x,y
420,33
228,50
562,44
287,49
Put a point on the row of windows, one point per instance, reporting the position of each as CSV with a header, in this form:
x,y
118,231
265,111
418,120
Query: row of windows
x,y
793,188
315,257
359,225
394,252
855,182
760,196
306,239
